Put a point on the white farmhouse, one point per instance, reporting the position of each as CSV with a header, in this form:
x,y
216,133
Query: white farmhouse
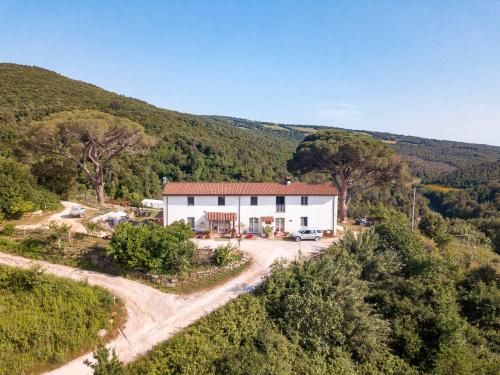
x,y
247,207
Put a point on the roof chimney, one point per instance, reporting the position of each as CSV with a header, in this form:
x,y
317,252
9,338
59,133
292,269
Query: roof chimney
x,y
164,180
288,180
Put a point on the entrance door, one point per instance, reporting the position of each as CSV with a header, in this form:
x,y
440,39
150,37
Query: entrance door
x,y
280,224
220,226
253,226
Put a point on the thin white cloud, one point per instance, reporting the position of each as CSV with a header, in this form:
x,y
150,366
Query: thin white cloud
x,y
340,112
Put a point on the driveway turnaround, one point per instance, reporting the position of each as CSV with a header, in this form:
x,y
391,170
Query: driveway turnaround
x,y
154,316
62,217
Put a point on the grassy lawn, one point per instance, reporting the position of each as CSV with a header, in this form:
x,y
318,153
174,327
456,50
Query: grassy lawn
x,y
88,252
47,321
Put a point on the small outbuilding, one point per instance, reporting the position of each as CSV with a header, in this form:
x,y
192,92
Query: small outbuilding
x,y
152,203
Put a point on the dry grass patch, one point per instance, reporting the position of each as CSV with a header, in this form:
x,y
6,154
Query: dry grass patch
x,y
441,188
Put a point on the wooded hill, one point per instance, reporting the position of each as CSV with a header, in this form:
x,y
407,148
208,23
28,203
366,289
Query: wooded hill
x,y
427,158
189,147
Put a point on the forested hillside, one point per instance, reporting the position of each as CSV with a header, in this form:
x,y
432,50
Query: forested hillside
x,y
427,158
188,147
381,303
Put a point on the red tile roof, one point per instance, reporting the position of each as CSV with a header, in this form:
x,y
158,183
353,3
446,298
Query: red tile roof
x,y
248,188
221,216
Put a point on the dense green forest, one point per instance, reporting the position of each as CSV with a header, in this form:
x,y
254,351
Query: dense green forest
x,y
427,158
188,147
476,200
382,303
46,320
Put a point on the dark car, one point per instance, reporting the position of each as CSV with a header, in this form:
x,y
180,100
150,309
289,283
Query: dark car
x,y
362,221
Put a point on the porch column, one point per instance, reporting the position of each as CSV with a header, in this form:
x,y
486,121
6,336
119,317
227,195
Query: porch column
x,y
335,208
239,217
165,209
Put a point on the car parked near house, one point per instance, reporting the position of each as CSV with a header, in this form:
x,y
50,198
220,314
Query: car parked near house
x,y
307,234
77,211
362,221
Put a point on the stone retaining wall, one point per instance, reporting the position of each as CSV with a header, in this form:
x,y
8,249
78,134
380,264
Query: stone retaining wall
x,y
170,281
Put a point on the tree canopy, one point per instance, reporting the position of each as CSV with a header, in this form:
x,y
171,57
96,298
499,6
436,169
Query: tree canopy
x,y
354,161
153,248
91,139
19,192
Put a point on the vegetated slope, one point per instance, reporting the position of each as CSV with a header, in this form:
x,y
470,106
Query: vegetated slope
x,y
46,320
470,176
381,303
479,196
188,146
192,147
428,158
19,192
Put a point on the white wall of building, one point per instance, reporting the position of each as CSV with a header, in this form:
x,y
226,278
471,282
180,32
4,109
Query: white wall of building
x,y
321,211
152,203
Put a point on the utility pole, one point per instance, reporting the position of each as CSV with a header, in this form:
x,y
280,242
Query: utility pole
x,y
413,208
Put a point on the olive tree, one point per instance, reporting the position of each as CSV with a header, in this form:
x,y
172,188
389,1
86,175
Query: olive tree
x,y
91,139
355,162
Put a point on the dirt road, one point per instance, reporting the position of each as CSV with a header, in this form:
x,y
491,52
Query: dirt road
x,y
62,217
154,316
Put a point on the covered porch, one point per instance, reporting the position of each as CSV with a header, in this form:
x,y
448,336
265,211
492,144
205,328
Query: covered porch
x,y
221,222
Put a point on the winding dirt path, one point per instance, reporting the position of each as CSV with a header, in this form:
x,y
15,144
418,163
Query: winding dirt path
x,y
62,217
154,316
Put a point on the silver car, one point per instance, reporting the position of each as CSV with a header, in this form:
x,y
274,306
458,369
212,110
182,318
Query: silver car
x,y
307,234
77,211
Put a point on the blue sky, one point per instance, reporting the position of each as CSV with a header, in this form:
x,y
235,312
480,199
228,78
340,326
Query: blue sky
x,y
426,68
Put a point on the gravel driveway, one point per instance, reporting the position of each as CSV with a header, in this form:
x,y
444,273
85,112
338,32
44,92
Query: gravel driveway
x,y
62,217
154,316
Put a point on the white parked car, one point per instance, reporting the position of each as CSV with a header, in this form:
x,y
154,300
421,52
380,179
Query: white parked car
x,y
77,211
307,234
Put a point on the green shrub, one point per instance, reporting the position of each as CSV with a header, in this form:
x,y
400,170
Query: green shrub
x,y
395,234
19,192
19,207
59,235
267,231
223,255
431,223
92,227
9,229
479,296
225,342
153,248
45,320
106,362
434,226
490,226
